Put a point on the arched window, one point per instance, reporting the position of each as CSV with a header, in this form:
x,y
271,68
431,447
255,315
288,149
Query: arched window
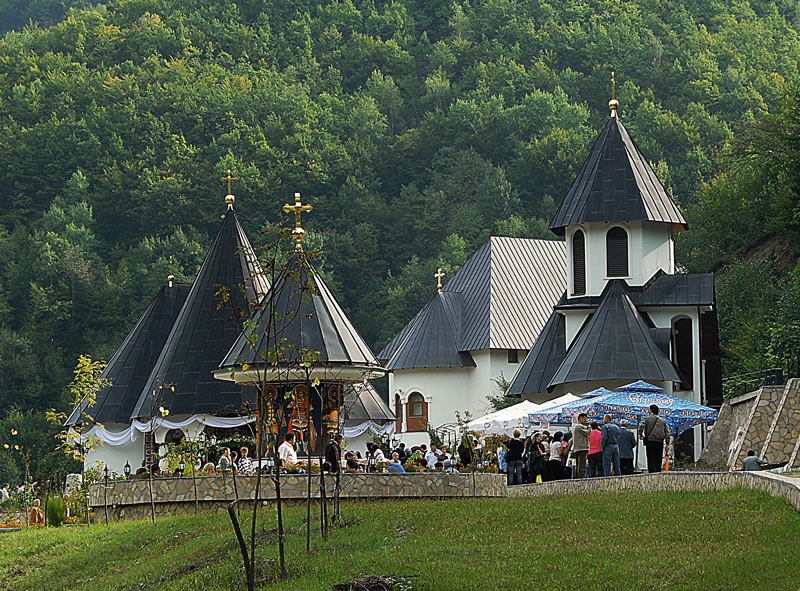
x,y
578,263
416,412
617,252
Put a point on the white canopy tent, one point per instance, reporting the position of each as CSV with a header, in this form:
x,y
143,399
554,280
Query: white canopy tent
x,y
504,421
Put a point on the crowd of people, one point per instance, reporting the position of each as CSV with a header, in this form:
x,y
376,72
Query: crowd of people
x,y
588,450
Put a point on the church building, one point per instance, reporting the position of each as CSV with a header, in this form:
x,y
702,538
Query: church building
x,y
161,378
473,332
625,314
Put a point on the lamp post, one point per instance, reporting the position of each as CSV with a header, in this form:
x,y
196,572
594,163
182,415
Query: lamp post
x,y
105,493
182,466
372,462
127,469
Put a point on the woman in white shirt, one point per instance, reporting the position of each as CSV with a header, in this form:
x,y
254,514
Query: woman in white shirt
x,y
554,470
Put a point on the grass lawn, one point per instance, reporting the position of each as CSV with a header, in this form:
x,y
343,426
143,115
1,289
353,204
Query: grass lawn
x,y
737,539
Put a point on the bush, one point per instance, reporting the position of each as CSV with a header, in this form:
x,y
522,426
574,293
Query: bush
x,y
56,510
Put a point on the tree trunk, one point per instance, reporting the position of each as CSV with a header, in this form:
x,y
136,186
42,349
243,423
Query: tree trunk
x,y
251,582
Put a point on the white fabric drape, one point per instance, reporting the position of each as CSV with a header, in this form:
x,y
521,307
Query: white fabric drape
x,y
351,432
131,434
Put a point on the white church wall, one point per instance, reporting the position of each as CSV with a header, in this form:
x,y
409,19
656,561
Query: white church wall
x,y
448,390
115,457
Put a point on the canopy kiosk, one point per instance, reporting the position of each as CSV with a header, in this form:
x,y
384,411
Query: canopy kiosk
x,y
302,349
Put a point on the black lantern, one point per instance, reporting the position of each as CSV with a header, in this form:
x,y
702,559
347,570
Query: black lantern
x,y
182,466
106,472
127,469
372,463
270,463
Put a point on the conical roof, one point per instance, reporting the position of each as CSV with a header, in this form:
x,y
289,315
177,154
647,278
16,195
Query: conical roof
x,y
434,340
542,361
130,366
307,318
182,379
615,344
616,183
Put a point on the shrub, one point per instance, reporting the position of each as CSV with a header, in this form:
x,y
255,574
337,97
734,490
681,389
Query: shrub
x,y
56,511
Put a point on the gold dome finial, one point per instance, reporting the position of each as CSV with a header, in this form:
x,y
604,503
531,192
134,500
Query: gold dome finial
x,y
439,274
297,232
230,199
613,103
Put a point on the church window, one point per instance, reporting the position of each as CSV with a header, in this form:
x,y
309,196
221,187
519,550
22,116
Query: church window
x,y
416,402
417,412
513,356
617,252
683,349
578,263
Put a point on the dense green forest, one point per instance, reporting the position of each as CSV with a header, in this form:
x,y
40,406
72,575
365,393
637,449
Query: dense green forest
x,y
417,128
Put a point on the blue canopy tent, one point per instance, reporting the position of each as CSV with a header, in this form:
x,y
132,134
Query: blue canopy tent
x,y
562,413
632,403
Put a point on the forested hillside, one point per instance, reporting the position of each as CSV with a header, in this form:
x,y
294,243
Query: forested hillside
x,y
417,128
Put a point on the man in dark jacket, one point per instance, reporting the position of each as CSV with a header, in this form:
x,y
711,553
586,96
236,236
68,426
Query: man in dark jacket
x,y
609,443
333,453
627,448
653,430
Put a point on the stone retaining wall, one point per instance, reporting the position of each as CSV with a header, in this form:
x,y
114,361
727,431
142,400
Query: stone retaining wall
x,y
775,484
129,499
175,496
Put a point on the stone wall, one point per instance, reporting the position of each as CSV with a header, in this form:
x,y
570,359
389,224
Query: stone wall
x,y
176,496
131,499
733,419
766,420
775,484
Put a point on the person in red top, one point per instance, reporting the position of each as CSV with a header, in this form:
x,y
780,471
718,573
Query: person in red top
x,y
595,456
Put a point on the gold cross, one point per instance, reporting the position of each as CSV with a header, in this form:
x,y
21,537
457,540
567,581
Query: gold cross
x,y
229,178
297,208
439,274
613,88
613,103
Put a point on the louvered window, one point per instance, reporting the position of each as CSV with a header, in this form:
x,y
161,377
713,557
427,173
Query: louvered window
x,y
578,264
617,252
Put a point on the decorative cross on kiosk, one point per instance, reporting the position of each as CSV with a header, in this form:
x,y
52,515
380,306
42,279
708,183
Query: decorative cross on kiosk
x,y
229,178
229,198
298,208
439,274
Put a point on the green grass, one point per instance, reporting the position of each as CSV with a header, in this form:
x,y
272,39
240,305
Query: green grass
x,y
710,541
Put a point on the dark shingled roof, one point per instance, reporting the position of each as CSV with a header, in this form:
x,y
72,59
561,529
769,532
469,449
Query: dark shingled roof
x,y
434,339
676,290
508,288
202,333
616,183
543,360
308,319
130,366
615,343
662,290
